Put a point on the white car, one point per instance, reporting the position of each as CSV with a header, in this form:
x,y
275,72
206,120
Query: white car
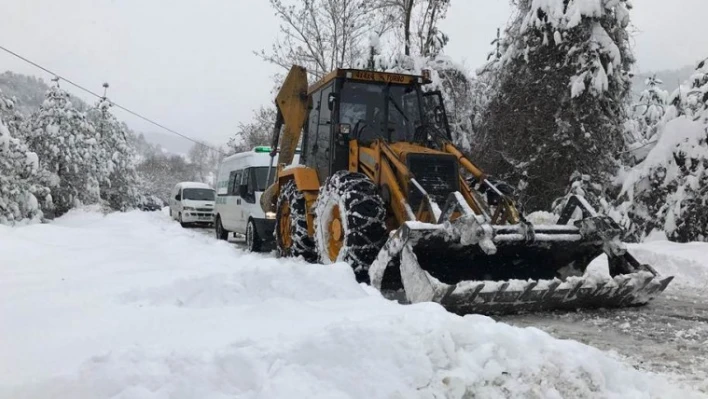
x,y
192,203
240,183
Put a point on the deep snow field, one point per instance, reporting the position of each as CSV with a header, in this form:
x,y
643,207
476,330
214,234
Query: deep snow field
x,y
133,306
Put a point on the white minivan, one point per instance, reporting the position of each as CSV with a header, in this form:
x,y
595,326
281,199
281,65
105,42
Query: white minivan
x,y
240,183
192,203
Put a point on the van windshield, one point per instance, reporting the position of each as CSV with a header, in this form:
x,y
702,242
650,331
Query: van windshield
x,y
198,194
261,174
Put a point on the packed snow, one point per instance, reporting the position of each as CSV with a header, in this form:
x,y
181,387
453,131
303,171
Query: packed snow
x,y
688,263
133,306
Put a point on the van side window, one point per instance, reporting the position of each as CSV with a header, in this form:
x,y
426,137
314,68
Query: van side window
x,y
230,185
234,181
249,182
244,176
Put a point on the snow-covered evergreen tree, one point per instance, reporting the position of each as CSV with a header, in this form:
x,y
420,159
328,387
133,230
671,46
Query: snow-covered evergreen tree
x,y
668,191
68,150
117,168
557,102
640,131
21,193
652,105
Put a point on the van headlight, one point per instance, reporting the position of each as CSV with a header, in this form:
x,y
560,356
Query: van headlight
x,y
188,208
270,215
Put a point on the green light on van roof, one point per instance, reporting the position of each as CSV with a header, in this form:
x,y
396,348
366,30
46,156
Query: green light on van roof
x,y
262,148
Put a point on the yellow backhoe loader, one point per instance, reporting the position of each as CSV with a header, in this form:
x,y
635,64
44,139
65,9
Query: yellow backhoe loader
x,y
380,186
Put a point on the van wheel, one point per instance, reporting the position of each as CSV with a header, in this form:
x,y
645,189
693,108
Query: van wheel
x,y
183,224
253,241
221,234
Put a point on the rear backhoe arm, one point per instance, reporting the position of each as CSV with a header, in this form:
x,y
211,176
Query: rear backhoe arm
x,y
292,104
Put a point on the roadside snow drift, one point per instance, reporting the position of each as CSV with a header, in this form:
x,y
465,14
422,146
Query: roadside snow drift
x,y
687,262
133,306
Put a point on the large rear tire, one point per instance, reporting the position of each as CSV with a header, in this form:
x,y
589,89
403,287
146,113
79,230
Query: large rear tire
x,y
291,237
350,222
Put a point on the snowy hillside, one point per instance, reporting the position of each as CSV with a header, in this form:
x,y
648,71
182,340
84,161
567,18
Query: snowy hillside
x,y
133,306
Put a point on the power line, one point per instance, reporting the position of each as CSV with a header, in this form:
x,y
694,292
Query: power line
x,y
78,86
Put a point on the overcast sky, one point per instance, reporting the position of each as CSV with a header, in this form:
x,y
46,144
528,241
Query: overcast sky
x,y
189,64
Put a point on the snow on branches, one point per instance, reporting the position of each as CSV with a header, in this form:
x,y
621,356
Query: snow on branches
x,y
600,58
20,189
67,146
668,191
558,89
115,158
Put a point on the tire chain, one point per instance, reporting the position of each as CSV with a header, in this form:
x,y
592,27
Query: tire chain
x,y
365,214
303,245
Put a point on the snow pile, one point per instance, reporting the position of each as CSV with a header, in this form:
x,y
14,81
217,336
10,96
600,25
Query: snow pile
x,y
542,218
132,306
688,263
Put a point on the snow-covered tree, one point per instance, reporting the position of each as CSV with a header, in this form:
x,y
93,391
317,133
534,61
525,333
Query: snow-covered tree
x,y
160,172
415,24
558,96
257,132
205,161
68,150
668,191
117,175
21,193
652,104
650,109
320,35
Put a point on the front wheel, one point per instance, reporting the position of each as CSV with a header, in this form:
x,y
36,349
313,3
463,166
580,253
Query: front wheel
x,y
253,241
350,222
291,236
183,224
221,234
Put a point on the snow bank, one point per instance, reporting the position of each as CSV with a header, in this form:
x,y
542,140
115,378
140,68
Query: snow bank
x,y
687,262
132,306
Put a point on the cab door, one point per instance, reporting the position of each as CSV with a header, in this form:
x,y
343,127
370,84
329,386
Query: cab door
x,y
339,134
318,143
435,113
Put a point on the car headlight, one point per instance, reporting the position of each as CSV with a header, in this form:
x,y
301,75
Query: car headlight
x,y
270,215
188,208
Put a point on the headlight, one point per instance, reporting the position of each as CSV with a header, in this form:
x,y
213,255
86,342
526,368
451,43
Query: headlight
x,y
270,215
188,208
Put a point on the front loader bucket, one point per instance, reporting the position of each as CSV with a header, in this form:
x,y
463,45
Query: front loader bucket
x,y
472,268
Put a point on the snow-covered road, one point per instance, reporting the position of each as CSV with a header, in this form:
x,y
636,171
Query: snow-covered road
x,y
133,306
668,336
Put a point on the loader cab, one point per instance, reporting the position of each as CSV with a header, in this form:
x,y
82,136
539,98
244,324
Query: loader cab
x,y
366,106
